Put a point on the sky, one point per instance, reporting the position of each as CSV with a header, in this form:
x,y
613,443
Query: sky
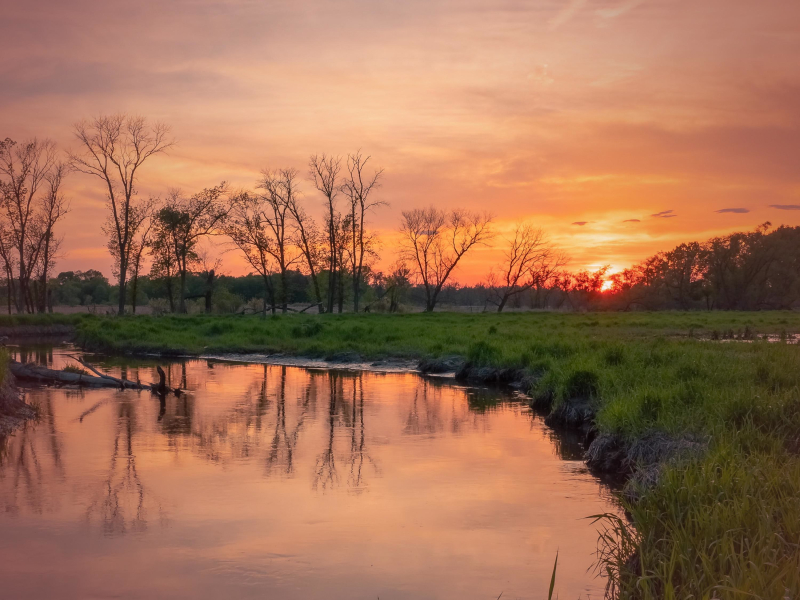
x,y
621,127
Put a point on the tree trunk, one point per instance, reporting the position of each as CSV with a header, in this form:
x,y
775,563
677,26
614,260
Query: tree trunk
x,y
332,287
341,292
134,290
182,297
209,290
283,290
501,305
170,294
356,288
123,288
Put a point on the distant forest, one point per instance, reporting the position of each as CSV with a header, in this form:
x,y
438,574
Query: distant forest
x,y
302,263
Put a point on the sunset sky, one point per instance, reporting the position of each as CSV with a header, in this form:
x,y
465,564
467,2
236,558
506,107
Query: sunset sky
x,y
622,127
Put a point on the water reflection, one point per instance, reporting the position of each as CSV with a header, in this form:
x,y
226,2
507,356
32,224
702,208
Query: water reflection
x,y
284,482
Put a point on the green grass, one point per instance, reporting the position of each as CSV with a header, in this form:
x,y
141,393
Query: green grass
x,y
724,523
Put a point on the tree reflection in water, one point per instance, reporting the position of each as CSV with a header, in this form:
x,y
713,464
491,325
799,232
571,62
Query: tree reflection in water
x,y
33,461
235,412
121,507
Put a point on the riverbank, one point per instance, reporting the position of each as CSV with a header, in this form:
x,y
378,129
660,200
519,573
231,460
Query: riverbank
x,y
13,411
698,409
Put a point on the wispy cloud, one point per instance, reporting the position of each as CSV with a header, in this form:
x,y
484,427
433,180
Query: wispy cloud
x,y
664,214
632,221
734,210
785,206
580,223
620,9
565,14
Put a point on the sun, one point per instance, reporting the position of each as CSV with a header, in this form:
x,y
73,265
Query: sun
x,y
607,285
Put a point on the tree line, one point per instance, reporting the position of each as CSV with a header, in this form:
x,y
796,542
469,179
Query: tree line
x,y
752,270
269,225
328,263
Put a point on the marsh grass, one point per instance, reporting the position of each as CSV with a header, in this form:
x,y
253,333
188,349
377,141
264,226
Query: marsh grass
x,y
724,523
74,369
723,526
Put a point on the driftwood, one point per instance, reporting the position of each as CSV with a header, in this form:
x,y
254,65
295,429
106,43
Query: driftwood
x,y
31,372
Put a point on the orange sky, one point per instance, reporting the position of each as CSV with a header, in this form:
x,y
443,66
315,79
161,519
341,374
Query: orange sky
x,y
553,111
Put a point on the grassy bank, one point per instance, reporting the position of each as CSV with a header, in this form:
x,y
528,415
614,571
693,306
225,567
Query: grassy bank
x,y
713,422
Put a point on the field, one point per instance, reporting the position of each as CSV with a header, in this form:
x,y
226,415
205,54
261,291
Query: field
x,y
705,410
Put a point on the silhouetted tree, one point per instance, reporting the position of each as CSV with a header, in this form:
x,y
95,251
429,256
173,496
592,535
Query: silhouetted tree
x,y
529,260
358,186
114,148
182,222
435,241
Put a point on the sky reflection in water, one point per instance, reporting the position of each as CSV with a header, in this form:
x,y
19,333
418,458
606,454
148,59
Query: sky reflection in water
x,y
279,482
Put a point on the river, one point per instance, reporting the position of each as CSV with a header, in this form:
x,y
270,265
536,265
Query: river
x,y
273,481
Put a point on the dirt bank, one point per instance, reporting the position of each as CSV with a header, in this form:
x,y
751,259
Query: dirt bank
x,y
13,411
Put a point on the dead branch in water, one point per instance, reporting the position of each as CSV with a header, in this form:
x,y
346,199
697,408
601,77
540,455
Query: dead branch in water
x,y
31,372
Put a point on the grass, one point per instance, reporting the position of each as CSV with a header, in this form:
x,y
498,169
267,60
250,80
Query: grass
x,y
74,369
720,523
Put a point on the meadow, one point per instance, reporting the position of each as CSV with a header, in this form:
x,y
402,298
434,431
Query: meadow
x,y
706,409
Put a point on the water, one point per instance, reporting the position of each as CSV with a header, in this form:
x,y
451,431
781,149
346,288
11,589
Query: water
x,y
282,482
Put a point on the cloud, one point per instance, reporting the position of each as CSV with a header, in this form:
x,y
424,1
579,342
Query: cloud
x,y
734,210
580,223
785,206
664,214
631,221
565,14
610,13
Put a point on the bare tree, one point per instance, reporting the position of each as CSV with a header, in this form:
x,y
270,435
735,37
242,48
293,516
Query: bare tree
x,y
358,187
9,264
31,202
54,207
530,260
249,232
435,241
183,222
139,246
324,172
308,239
280,192
113,149
140,225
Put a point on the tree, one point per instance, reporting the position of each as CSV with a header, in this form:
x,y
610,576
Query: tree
x,y
32,204
138,247
249,232
54,207
114,148
529,260
397,284
182,222
280,193
308,239
140,222
435,241
324,172
585,286
358,187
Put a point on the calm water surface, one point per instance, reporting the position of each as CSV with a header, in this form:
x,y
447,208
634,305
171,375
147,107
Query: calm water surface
x,y
281,482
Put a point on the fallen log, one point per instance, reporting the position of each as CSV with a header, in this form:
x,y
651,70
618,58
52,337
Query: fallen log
x,y
31,372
